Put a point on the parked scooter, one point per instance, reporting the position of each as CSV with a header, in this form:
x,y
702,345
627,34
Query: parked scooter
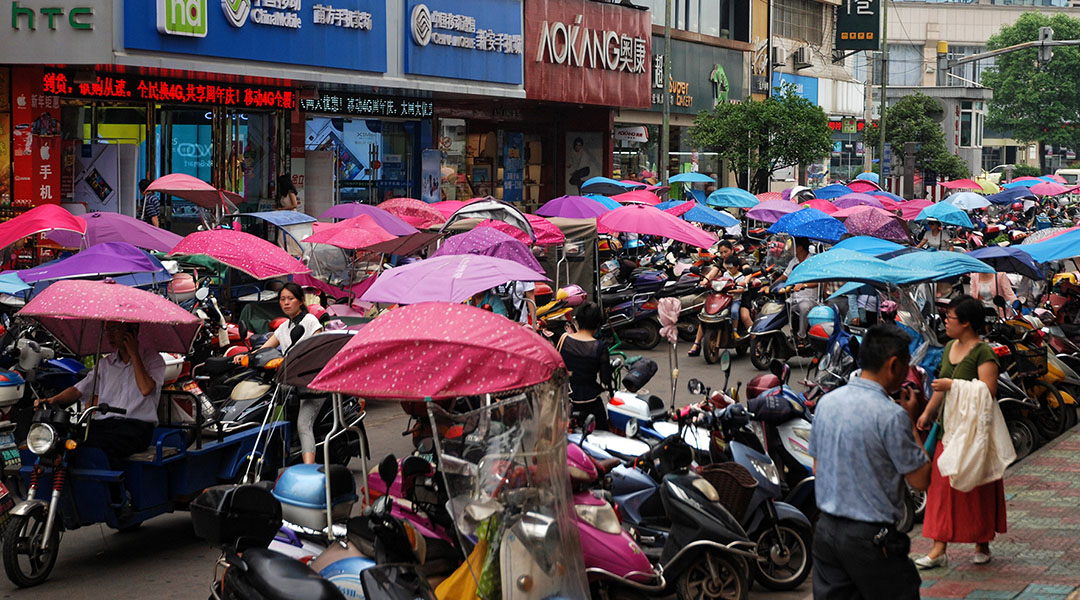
x,y
772,338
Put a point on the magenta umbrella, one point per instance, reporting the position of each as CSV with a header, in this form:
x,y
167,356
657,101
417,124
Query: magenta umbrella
x,y
874,222
1050,189
863,186
243,251
546,232
438,350
637,196
75,311
488,241
194,190
770,211
649,220
387,221
454,278
911,209
350,234
105,227
857,199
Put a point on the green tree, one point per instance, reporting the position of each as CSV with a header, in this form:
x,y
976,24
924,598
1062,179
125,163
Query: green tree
x,y
917,118
1036,103
782,131
1026,171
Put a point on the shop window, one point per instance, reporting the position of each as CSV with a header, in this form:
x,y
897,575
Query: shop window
x,y
971,124
906,64
801,20
452,140
716,18
358,145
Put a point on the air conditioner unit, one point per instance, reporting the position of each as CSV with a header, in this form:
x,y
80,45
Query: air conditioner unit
x,y
778,58
802,57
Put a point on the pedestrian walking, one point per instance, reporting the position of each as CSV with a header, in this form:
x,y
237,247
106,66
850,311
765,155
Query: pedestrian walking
x,y
953,516
150,206
864,449
286,194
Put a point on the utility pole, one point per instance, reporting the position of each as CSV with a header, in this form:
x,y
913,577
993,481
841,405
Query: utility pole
x,y
884,82
665,129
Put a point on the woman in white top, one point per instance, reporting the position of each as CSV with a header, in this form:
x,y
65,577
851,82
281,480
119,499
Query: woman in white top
x,y
985,286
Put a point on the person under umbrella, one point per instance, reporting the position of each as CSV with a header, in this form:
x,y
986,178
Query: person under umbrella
x,y
804,296
934,238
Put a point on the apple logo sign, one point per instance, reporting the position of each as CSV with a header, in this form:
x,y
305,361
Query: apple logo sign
x,y
45,152
21,101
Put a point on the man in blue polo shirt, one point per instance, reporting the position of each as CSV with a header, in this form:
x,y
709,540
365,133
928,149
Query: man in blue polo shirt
x,y
864,448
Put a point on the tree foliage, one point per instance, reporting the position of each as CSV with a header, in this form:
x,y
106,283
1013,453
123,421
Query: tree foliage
x,y
917,118
782,131
1026,171
1036,103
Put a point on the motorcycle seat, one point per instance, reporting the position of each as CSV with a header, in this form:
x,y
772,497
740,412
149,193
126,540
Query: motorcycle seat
x,y
216,365
1070,330
607,464
277,576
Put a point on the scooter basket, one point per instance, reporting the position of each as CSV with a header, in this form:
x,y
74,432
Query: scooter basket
x,y
734,484
1030,362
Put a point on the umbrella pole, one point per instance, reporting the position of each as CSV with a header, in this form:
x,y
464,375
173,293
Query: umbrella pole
x,y
673,364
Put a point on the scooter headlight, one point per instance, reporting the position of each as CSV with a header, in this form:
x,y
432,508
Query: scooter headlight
x,y
41,438
600,516
767,470
718,286
706,488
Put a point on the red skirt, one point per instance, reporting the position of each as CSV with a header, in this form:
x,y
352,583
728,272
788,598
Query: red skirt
x,y
963,517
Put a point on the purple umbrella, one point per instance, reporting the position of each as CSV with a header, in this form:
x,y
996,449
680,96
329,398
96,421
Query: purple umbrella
x,y
877,223
108,259
102,227
392,223
572,207
770,211
446,279
488,241
857,199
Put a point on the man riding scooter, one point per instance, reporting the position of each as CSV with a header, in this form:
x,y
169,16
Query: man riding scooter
x,y
804,296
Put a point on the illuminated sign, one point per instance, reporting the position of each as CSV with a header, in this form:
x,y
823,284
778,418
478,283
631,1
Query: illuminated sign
x,y
857,25
847,125
368,106
153,89
480,40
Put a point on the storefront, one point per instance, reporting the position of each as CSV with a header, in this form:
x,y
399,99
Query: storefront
x,y
702,77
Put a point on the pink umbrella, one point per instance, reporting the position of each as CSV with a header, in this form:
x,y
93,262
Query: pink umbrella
x,y
252,255
350,234
863,185
47,217
648,220
75,311
1050,189
546,231
889,203
194,190
911,209
857,199
1058,178
489,241
416,212
767,196
772,210
436,351
642,196
658,189
387,221
104,227
875,222
823,205
448,207
961,184
453,278
680,209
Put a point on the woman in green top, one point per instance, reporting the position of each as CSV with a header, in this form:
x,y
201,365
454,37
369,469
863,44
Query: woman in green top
x,y
951,515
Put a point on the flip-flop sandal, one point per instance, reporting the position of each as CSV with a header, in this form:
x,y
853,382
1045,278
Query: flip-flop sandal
x,y
694,350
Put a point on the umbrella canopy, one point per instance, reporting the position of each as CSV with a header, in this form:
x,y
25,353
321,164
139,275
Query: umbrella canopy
x,y
608,186
604,201
386,220
103,227
47,217
867,220
648,220
1059,247
911,209
351,234
658,189
1008,259
10,284
194,190
771,211
676,207
944,212
448,207
1010,195
546,232
306,358
101,260
839,264
961,184
823,205
1044,234
495,210
766,196
810,223
871,177
436,351
857,199
488,241
882,194
691,178
831,191
987,186
243,251
453,278
699,213
406,244
1032,179
641,196
868,245
76,311
415,212
967,200
939,264
572,207
863,186
1050,189
732,197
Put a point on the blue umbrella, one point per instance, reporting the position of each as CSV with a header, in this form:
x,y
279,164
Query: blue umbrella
x,y
1061,246
884,194
810,223
871,246
670,204
10,284
869,177
946,213
604,201
940,265
691,178
1019,184
832,191
1008,259
708,216
1014,194
608,186
732,197
848,265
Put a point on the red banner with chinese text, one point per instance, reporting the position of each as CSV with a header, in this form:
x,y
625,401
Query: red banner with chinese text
x,y
35,137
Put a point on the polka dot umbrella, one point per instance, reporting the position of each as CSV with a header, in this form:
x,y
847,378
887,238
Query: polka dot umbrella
x,y
546,231
243,251
415,212
75,311
351,234
437,350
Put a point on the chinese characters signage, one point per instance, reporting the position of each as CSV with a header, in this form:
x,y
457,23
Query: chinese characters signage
x,y
368,106
588,52
35,140
857,25
480,40
701,77
152,89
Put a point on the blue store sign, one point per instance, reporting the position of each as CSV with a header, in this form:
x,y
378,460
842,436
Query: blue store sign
x,y
480,39
344,34
807,87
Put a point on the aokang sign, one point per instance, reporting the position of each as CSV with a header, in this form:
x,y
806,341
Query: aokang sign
x,y
587,52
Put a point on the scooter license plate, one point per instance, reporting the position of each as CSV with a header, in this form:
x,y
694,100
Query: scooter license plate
x,y
7,440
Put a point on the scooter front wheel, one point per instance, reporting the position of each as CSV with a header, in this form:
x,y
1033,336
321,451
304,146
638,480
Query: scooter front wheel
x,y
713,576
761,352
784,562
26,562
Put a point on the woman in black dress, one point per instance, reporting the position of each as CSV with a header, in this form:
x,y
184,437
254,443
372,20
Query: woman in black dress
x,y
589,365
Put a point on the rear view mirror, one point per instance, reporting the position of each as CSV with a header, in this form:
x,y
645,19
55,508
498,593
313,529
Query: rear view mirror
x,y
413,466
777,368
590,424
202,294
388,470
696,387
999,301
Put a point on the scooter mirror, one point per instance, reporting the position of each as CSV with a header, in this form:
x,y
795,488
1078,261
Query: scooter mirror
x,y
999,301
413,466
777,368
388,470
590,424
695,387
853,347
725,362
202,294
241,328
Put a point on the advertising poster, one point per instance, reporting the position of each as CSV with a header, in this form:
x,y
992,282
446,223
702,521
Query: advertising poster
x,y
5,138
431,164
35,137
514,167
97,177
480,40
583,152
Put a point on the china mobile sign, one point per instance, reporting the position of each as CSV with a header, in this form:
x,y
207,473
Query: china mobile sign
x,y
587,52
